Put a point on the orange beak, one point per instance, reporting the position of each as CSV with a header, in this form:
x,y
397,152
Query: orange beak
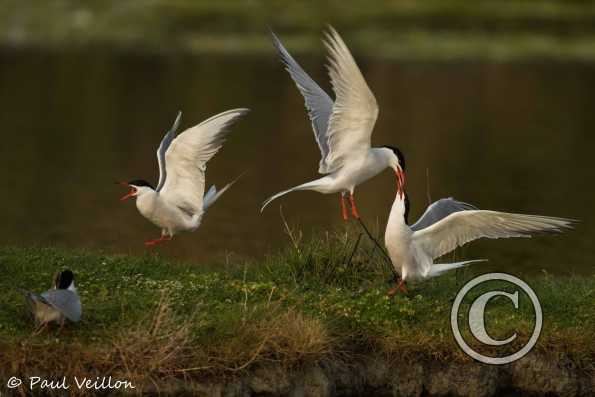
x,y
130,194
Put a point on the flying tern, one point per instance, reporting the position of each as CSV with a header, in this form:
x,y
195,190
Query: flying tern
x,y
57,304
178,203
342,128
447,224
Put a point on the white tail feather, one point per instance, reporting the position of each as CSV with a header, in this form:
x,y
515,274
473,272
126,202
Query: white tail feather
x,y
213,194
313,185
276,196
439,268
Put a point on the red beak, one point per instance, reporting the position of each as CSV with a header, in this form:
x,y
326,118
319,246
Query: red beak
x,y
400,183
130,194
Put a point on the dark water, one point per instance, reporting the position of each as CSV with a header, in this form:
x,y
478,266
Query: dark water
x,y
514,137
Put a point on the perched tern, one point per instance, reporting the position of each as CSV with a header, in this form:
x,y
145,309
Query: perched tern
x,y
178,204
447,224
57,304
342,128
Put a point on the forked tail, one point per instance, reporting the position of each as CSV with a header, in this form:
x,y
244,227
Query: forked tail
x,y
441,268
313,185
213,194
21,290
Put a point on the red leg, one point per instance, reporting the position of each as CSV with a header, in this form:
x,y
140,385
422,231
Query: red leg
x,y
401,286
152,243
353,207
344,208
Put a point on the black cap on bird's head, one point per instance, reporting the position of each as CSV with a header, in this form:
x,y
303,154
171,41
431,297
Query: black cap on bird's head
x,y
140,183
399,154
64,279
399,168
134,185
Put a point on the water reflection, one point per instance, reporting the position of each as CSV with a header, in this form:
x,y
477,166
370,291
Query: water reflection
x,y
514,137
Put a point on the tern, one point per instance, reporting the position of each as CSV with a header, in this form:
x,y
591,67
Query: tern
x,y
178,204
447,224
342,128
57,304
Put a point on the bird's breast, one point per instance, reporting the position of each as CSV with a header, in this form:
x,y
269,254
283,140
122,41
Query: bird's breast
x,y
397,239
147,205
157,210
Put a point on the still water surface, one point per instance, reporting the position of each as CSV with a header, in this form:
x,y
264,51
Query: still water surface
x,y
513,137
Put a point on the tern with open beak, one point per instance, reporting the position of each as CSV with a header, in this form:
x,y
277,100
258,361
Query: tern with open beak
x,y
342,128
447,224
179,203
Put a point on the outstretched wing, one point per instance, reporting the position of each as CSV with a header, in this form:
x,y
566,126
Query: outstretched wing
x,y
355,109
439,210
65,301
318,103
186,160
163,146
462,227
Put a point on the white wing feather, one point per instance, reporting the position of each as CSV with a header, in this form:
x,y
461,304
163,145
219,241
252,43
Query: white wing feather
x,y
65,301
162,149
462,227
355,109
439,210
317,101
186,160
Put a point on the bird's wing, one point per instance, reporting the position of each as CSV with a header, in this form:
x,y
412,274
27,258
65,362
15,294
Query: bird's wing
x,y
439,210
462,227
355,109
162,149
65,301
318,103
186,160
32,297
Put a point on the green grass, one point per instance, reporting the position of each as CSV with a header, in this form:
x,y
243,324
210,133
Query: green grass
x,y
147,316
414,29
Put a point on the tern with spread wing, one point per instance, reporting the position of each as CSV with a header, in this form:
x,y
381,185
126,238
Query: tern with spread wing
x,y
342,128
446,225
179,203
57,304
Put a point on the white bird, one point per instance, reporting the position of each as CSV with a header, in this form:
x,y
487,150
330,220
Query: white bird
x,y
447,224
57,304
177,204
342,129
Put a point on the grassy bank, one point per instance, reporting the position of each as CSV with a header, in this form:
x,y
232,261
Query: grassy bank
x,y
149,319
415,29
